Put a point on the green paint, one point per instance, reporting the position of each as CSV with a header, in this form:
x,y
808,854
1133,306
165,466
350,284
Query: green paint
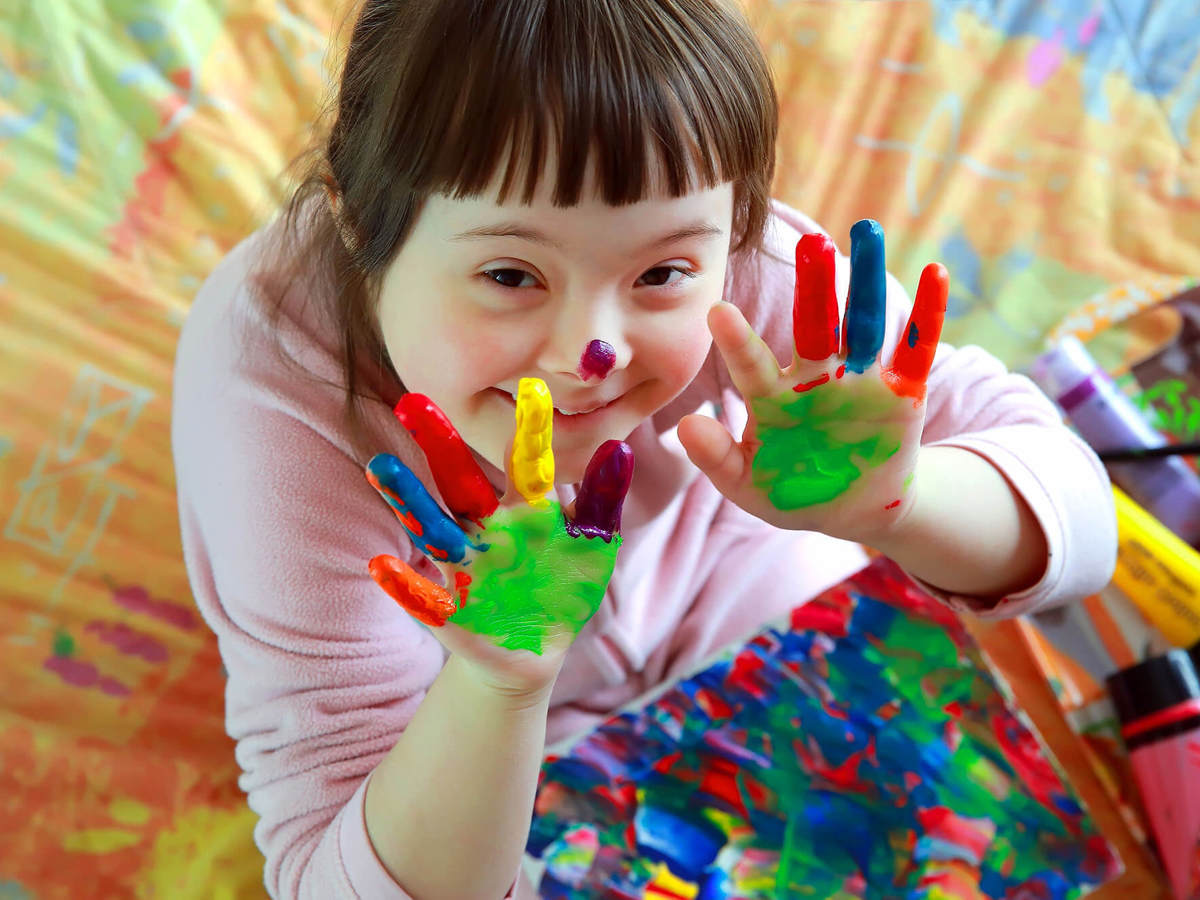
x,y
535,580
816,444
64,644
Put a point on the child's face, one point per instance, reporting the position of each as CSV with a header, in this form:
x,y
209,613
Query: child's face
x,y
482,294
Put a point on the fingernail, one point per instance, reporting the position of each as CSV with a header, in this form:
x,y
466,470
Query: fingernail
x,y
602,493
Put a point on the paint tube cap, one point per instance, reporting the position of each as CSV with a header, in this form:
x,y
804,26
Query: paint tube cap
x,y
1064,367
1153,685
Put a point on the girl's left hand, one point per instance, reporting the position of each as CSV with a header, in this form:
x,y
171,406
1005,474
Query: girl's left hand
x,y
832,441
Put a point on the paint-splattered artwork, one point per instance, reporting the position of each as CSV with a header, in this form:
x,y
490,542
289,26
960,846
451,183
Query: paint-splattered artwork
x,y
861,750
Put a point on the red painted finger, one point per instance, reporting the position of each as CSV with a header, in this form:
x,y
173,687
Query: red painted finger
x,y
914,354
421,598
461,482
815,307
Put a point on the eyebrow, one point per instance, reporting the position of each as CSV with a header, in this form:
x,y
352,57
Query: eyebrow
x,y
525,233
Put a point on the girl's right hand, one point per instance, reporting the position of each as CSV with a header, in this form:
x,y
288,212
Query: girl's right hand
x,y
524,575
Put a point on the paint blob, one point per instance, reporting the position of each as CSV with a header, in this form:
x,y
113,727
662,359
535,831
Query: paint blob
x,y
597,360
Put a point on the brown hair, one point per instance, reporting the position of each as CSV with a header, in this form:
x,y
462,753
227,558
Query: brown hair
x,y
437,95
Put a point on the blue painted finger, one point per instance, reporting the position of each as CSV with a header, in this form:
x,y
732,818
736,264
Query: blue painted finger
x,y
866,303
436,534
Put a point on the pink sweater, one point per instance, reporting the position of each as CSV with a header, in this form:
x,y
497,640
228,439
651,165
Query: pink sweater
x,y
324,670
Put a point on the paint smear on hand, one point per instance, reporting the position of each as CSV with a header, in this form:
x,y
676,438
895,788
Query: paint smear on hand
x,y
813,445
535,581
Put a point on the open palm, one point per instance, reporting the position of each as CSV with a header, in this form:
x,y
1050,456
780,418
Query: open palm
x,y
522,577
832,439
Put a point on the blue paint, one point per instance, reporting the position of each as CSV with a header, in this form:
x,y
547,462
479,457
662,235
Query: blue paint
x,y
439,536
687,847
914,334
866,304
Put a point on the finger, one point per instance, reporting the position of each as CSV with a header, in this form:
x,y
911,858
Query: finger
x,y
436,534
532,457
751,364
866,302
605,484
814,307
914,356
421,598
713,451
459,479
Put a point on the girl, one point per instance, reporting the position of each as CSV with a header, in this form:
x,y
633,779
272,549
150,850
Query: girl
x,y
573,192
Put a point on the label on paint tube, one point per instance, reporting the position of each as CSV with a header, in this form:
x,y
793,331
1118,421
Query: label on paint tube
x,y
1158,572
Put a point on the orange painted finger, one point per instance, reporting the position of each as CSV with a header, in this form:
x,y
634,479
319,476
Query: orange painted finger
x,y
421,598
914,354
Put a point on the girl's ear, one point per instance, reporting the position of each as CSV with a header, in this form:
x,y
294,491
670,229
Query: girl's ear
x,y
333,196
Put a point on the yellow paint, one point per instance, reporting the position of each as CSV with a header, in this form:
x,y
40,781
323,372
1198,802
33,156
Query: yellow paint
x,y
532,458
100,840
1158,572
203,854
128,811
665,879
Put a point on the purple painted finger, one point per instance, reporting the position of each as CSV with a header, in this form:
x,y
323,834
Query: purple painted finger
x,y
602,493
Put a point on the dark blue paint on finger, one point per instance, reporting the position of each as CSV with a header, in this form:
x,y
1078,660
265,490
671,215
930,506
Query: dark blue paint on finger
x,y
866,303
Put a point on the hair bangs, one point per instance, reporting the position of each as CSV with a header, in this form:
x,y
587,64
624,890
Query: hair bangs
x,y
640,96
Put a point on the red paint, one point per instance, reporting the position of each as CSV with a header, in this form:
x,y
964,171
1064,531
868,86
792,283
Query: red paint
x,y
814,304
421,598
597,360
458,477
663,766
914,354
398,506
713,705
462,586
809,385
720,781
841,370
893,504
816,616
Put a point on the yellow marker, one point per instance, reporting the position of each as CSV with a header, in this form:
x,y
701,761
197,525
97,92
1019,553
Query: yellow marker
x,y
1158,572
532,457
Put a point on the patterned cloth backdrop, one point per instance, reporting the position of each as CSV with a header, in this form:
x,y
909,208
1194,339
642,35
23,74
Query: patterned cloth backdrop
x,y
1047,152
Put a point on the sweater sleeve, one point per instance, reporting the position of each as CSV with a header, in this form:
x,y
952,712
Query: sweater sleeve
x,y
974,403
324,670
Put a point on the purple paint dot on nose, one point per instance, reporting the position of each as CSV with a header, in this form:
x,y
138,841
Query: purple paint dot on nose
x,y
597,360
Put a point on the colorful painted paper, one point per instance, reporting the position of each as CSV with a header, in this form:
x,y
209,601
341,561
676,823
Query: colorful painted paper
x,y
862,749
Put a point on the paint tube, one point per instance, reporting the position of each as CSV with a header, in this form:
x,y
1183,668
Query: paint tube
x,y
1158,572
1158,703
1109,420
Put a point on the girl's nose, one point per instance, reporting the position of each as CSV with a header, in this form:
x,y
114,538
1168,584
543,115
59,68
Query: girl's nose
x,y
588,346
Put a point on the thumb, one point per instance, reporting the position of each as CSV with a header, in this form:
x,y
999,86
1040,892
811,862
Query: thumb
x,y
421,598
712,449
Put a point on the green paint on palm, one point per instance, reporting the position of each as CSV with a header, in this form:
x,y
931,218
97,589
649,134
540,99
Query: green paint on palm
x,y
815,445
535,580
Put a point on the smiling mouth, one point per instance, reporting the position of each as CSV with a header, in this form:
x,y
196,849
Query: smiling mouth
x,y
559,412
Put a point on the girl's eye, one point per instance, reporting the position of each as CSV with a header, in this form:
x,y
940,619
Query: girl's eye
x,y
511,278
662,276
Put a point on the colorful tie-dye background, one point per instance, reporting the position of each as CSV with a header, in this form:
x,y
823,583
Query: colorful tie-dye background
x,y
1047,152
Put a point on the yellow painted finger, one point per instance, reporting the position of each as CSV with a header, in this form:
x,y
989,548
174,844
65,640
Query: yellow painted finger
x,y
532,457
